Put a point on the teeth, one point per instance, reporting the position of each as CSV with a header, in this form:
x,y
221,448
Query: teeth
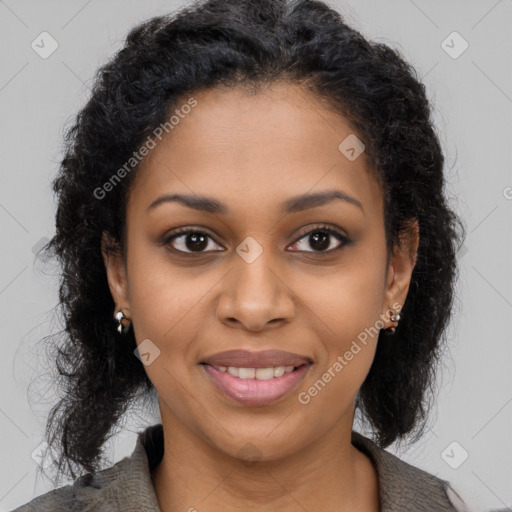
x,y
246,373
232,370
279,371
256,373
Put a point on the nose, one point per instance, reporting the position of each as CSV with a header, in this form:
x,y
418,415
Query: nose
x,y
255,296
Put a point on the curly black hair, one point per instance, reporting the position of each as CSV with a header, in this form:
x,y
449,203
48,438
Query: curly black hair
x,y
230,43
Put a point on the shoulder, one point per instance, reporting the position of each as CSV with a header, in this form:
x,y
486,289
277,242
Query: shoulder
x,y
126,486
406,487
90,492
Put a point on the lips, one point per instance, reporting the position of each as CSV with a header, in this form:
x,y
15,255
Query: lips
x,y
262,359
254,392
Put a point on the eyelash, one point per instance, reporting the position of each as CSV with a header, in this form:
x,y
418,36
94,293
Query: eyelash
x,y
322,228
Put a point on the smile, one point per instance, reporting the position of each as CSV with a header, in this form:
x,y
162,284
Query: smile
x,y
256,386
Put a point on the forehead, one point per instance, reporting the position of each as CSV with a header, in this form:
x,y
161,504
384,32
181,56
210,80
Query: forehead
x,y
254,148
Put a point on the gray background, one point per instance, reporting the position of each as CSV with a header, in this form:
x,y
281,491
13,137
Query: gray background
x,y
472,97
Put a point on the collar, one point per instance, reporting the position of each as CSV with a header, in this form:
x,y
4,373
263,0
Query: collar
x,y
400,484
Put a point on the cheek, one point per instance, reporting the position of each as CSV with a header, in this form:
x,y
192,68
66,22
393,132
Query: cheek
x,y
332,390
160,294
164,302
346,308
347,352
347,300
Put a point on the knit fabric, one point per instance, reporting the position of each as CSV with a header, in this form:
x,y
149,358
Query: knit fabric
x,y
126,486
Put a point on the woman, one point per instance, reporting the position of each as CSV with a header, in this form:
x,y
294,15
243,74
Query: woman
x,y
252,222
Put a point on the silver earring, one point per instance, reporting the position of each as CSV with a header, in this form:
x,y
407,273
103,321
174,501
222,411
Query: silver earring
x,y
119,316
395,317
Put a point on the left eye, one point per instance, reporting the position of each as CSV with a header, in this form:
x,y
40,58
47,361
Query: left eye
x,y
321,239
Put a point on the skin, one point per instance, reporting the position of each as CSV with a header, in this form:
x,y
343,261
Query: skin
x,y
253,151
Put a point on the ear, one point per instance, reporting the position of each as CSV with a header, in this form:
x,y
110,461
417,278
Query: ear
x,y
401,264
116,272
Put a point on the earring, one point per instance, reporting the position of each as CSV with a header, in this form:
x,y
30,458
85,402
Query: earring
x,y
395,317
119,316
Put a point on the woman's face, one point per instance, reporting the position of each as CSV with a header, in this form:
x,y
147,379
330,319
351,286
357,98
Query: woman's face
x,y
261,274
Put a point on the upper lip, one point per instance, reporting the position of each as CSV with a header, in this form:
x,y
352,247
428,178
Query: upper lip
x,y
262,359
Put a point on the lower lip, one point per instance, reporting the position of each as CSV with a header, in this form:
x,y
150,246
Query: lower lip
x,y
254,391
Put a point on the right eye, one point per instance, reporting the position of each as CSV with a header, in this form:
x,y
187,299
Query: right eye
x,y
189,241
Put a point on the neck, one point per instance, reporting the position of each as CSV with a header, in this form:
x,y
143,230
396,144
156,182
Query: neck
x,y
194,475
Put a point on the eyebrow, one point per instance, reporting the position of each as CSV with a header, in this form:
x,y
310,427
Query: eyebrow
x,y
292,205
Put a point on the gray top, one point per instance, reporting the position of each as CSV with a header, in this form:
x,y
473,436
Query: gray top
x,y
126,486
